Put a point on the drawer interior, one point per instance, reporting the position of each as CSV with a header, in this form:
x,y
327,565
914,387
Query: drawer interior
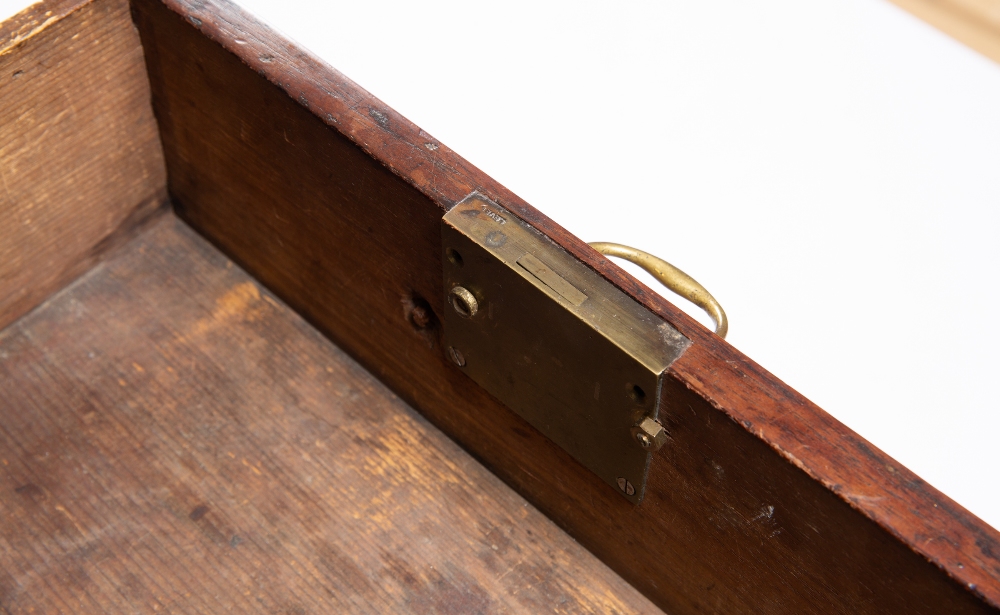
x,y
221,294
173,436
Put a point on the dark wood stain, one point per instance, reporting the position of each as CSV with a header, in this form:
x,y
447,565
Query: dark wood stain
x,y
80,159
198,512
763,502
174,438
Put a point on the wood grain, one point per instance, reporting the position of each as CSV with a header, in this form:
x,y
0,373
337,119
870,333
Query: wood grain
x,y
33,19
763,503
973,22
80,159
174,438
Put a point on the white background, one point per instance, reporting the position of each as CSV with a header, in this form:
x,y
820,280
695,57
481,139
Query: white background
x,y
829,170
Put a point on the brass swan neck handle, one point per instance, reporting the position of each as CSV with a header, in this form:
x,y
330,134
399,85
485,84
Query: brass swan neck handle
x,y
671,277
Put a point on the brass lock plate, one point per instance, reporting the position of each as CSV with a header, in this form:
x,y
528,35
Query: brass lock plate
x,y
554,341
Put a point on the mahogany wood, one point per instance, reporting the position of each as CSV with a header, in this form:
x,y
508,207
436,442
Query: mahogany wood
x,y
762,503
175,439
80,158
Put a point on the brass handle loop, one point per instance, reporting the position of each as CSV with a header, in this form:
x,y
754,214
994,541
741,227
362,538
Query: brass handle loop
x,y
671,277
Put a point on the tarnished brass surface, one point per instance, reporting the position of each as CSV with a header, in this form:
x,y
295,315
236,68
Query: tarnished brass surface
x,y
649,434
557,343
463,302
671,277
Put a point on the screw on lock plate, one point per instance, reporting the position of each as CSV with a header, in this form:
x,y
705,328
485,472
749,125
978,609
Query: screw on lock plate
x,y
554,341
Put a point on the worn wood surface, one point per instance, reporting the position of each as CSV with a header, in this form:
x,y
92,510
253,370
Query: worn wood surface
x,y
33,19
762,503
80,158
973,22
174,438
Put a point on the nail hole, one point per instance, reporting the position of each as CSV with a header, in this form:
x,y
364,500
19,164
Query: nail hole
x,y
419,313
420,318
636,393
454,257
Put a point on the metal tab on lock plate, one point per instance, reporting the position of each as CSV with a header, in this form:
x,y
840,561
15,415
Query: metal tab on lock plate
x,y
554,341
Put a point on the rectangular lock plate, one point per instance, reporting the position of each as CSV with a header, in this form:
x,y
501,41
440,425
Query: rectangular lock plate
x,y
554,341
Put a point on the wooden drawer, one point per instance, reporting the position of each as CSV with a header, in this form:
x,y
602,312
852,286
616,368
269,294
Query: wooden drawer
x,y
223,385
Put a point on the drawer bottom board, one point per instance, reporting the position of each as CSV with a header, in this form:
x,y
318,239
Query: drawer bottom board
x,y
174,438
